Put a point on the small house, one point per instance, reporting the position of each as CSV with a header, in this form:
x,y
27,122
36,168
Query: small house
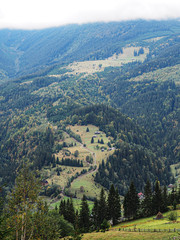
x,y
159,216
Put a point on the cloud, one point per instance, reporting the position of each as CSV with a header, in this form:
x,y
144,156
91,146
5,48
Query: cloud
x,y
47,13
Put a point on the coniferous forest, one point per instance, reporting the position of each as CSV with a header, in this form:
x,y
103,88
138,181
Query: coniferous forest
x,y
99,103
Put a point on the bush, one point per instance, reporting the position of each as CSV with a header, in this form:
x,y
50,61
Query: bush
x,y
105,225
172,216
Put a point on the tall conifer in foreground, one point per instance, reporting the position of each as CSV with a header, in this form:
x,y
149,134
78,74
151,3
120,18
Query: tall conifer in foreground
x,y
157,201
95,211
114,206
131,202
147,202
102,210
84,216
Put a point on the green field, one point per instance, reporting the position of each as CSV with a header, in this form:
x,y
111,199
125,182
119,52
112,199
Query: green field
x,y
116,235
91,189
82,184
151,223
145,228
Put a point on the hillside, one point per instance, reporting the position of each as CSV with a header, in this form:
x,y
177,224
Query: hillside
x,y
122,78
25,52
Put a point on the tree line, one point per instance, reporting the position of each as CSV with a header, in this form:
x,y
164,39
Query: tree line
x,y
23,215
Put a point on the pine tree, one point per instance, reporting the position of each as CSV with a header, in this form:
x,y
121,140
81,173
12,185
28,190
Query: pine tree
x,y
95,212
84,216
71,212
92,140
157,201
147,202
165,200
131,202
114,206
62,208
87,129
102,210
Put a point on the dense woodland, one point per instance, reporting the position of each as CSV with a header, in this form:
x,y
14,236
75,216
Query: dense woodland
x,y
26,216
137,104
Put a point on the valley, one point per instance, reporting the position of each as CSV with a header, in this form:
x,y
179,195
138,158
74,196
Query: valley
x,y
93,112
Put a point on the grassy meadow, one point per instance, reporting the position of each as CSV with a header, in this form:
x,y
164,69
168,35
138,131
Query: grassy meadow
x,y
83,184
91,189
117,60
144,223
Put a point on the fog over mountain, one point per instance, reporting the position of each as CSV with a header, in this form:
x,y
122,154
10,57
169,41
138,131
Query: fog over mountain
x,y
42,14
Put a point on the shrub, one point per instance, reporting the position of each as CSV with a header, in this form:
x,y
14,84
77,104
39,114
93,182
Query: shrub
x,y
172,216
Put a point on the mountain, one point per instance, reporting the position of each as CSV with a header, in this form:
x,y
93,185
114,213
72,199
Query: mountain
x,y
24,52
75,74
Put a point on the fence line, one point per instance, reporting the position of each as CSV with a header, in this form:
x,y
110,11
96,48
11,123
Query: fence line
x,y
147,230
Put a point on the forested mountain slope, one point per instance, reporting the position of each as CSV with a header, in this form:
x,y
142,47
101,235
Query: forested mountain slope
x,y
28,51
34,108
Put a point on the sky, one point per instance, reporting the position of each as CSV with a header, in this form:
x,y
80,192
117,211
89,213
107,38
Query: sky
x,y
37,14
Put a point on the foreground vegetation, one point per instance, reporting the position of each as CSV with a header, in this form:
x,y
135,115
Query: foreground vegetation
x,y
116,235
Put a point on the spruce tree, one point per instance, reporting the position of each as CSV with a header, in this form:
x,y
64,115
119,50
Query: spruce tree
x,y
92,140
131,202
165,200
114,206
102,210
62,208
147,202
71,212
95,212
157,201
84,216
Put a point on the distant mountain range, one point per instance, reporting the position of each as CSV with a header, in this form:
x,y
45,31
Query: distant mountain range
x,y
23,52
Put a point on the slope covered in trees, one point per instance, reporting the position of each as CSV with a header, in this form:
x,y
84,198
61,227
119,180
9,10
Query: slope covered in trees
x,y
28,51
147,92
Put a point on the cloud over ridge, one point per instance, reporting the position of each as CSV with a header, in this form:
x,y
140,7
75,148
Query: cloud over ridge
x,y
34,14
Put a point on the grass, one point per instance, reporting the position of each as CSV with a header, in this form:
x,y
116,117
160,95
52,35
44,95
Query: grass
x,y
150,223
144,223
90,67
86,139
116,235
91,189
67,172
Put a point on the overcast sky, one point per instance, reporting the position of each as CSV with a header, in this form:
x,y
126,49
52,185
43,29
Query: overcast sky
x,y
34,14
